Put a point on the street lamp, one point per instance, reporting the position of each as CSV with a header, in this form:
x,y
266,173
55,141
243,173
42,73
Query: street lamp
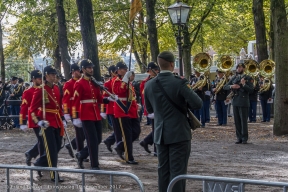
x,y
179,13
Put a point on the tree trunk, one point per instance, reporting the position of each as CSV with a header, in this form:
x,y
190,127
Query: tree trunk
x,y
62,38
57,58
139,62
280,27
260,30
2,56
186,56
271,40
88,33
152,29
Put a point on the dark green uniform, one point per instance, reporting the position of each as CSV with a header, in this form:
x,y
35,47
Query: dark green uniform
x,y
241,105
172,134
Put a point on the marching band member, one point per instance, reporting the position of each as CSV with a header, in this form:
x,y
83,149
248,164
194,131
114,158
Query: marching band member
x,y
38,148
86,113
148,140
52,125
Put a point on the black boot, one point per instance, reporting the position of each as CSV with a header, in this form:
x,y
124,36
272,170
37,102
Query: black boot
x,y
145,146
59,179
69,148
79,161
108,145
119,152
28,159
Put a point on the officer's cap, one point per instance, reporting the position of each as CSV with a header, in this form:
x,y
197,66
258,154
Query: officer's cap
x,y
121,65
50,70
112,69
240,64
14,78
74,67
35,74
167,56
84,63
152,65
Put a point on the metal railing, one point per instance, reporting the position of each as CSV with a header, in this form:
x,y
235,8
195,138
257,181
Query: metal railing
x,y
81,171
224,184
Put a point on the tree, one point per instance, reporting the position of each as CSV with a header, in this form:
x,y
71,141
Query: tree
x,y
152,29
260,30
280,28
62,38
88,32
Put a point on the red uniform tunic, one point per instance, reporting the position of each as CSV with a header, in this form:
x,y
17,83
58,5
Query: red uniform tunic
x,y
53,108
110,105
87,97
142,86
120,88
26,102
68,92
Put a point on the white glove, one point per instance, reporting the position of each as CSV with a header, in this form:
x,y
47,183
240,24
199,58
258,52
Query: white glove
x,y
77,122
64,124
115,98
150,116
43,123
24,127
139,107
127,76
103,115
67,117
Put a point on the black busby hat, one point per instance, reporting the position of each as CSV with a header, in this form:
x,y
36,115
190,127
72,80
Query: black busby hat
x,y
35,74
50,70
152,65
20,80
112,69
241,63
74,67
167,56
121,65
14,78
84,63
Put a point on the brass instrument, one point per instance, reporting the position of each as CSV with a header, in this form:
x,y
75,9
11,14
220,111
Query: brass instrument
x,y
267,70
252,69
224,64
202,64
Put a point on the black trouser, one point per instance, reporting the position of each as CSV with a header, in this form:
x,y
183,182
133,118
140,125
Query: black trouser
x,y
130,129
52,144
78,141
149,139
173,161
38,148
93,135
116,136
241,124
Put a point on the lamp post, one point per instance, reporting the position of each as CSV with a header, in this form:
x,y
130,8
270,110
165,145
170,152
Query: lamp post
x,y
178,13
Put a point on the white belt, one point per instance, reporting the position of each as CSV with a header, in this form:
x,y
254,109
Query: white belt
x,y
89,101
124,98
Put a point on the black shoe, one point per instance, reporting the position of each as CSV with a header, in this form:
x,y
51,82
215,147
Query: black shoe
x,y
219,124
39,173
145,146
59,180
155,154
263,121
132,162
79,161
95,168
238,142
70,151
28,159
119,153
244,142
229,115
85,160
108,145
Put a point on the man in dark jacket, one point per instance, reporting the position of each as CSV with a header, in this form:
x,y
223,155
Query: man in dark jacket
x,y
241,85
172,134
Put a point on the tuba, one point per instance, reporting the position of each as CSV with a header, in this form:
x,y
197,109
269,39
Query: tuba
x,y
202,64
267,70
252,69
224,64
